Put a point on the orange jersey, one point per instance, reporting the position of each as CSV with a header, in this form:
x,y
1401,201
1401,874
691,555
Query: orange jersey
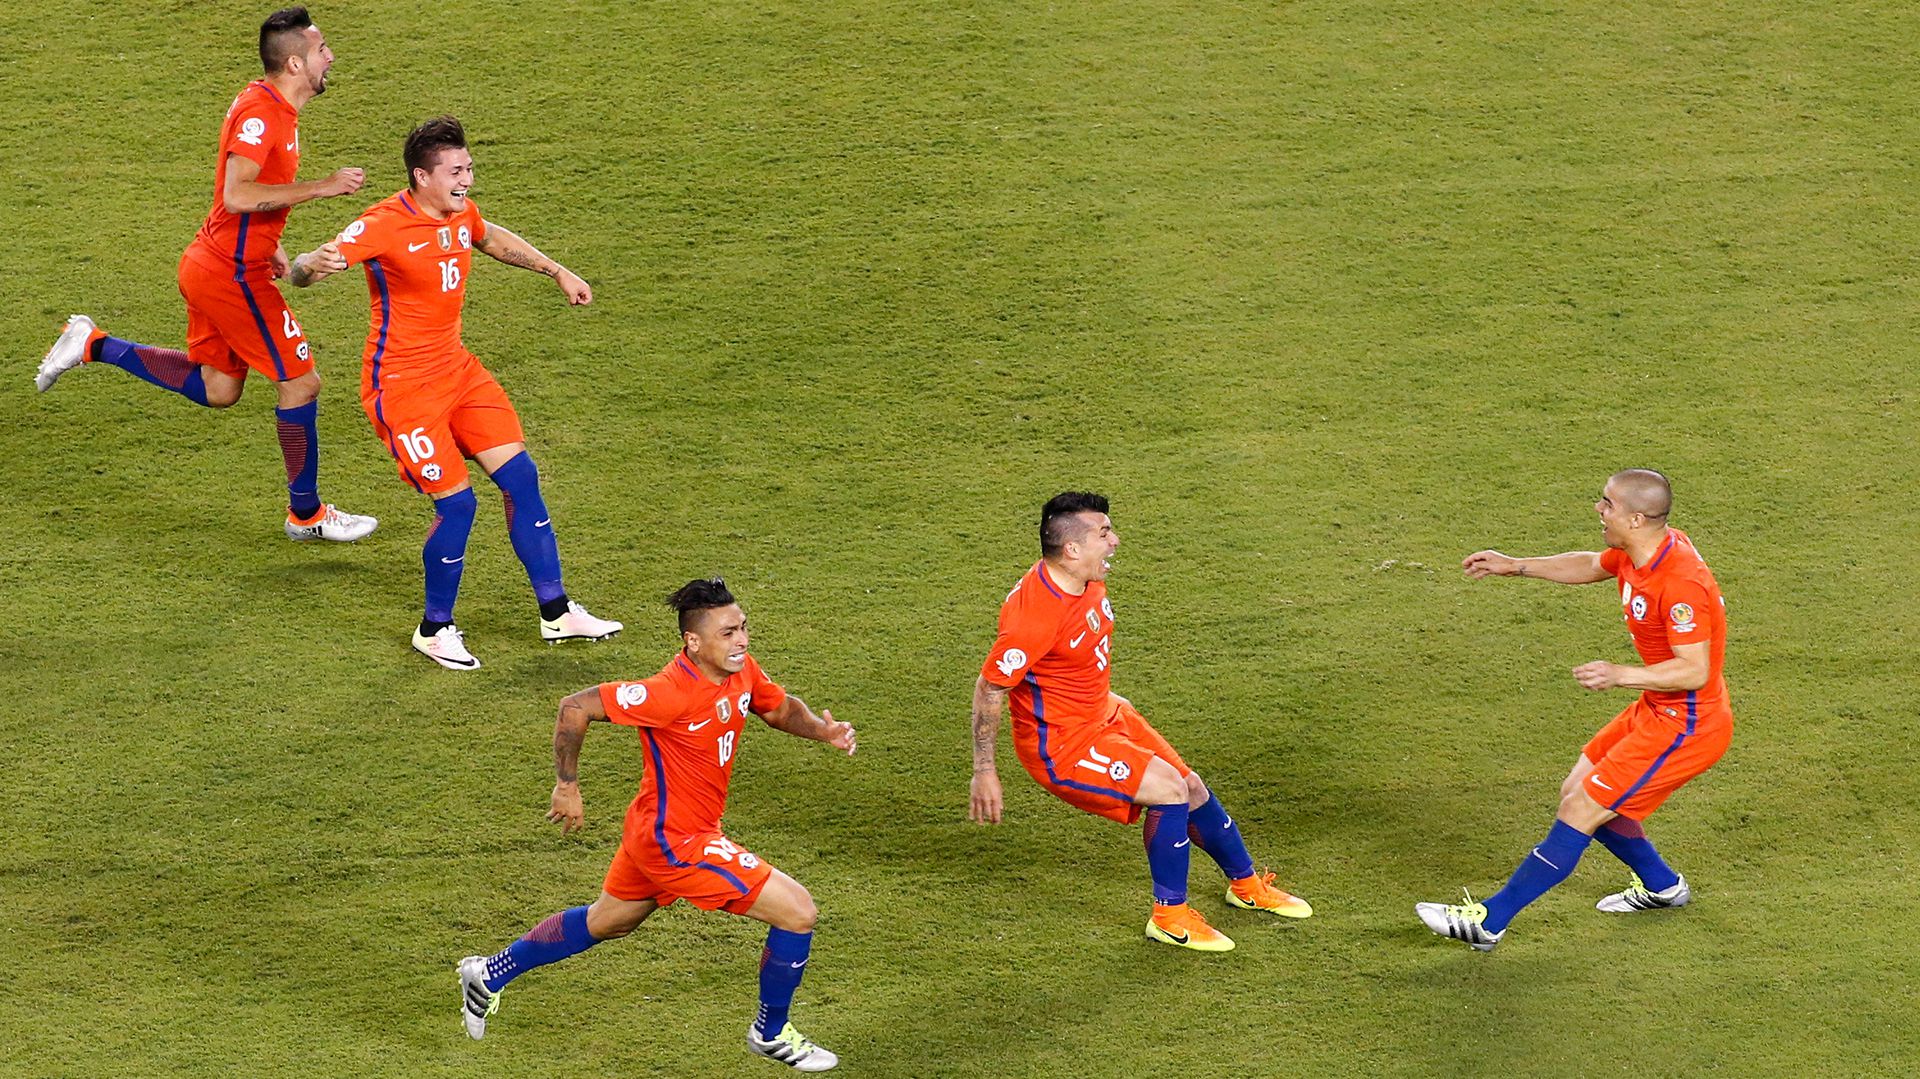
x,y
1673,600
263,128
417,281
690,729
1055,652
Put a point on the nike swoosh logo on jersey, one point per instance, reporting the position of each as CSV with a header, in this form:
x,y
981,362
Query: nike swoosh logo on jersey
x,y
418,246
1598,783
1075,643
700,724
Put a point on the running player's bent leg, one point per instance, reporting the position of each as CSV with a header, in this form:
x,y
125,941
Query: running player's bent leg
x,y
1628,841
1213,831
529,525
565,934
790,914
167,368
1551,862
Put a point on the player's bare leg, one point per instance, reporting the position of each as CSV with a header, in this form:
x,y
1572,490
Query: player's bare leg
x,y
790,914
530,527
443,557
1165,795
565,934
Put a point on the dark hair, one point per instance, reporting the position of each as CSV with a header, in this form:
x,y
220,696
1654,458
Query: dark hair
x,y
280,37
696,596
437,134
1054,515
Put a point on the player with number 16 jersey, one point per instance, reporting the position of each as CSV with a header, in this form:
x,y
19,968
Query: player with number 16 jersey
x,y
429,399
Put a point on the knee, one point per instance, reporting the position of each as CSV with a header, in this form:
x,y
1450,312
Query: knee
x,y
298,391
1197,792
803,916
222,394
612,923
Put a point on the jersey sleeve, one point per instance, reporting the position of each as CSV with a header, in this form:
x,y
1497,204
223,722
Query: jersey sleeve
x,y
1683,613
1611,559
767,693
364,238
647,703
255,131
1022,640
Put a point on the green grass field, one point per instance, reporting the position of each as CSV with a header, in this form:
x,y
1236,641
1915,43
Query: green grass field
x,y
1324,295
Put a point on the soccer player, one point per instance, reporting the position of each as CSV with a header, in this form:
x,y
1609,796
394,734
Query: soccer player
x,y
236,318
1677,728
430,400
689,720
1090,748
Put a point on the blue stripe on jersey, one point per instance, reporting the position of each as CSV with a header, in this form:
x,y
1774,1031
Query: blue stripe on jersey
x,y
1046,759
259,320
660,817
378,275
1678,739
1662,556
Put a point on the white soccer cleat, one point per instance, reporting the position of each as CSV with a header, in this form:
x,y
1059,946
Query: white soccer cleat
x,y
1637,897
477,1002
448,648
332,525
67,353
1461,921
575,624
793,1049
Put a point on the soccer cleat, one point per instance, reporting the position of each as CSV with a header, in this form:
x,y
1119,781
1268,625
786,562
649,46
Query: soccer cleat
x,y
1183,927
1637,897
477,1002
331,524
67,353
1260,894
1461,921
791,1048
448,648
575,624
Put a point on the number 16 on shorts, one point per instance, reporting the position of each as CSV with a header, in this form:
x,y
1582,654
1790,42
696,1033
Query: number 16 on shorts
x,y
418,448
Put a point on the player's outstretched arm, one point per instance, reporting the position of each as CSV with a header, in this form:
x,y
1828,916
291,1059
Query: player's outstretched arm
x,y
317,265
504,246
243,193
989,701
794,717
1574,567
569,733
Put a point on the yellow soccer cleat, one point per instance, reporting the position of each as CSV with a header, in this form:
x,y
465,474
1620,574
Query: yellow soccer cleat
x,y
1258,893
1183,927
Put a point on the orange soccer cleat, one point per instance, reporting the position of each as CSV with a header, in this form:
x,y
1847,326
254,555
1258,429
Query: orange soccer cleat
x,y
1258,893
1183,927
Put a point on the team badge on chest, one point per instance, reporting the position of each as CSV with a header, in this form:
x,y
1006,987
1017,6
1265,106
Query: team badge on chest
x,y
445,236
1093,621
1639,608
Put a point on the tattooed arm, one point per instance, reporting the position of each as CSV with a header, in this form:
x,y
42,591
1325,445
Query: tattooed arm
x,y
321,262
569,733
243,192
989,701
505,246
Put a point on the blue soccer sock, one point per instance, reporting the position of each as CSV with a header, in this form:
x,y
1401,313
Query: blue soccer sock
x,y
1545,866
166,368
782,964
445,551
1214,832
558,937
1165,833
300,444
1628,841
531,529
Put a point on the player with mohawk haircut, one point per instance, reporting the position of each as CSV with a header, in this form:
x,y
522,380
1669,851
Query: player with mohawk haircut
x,y
688,718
